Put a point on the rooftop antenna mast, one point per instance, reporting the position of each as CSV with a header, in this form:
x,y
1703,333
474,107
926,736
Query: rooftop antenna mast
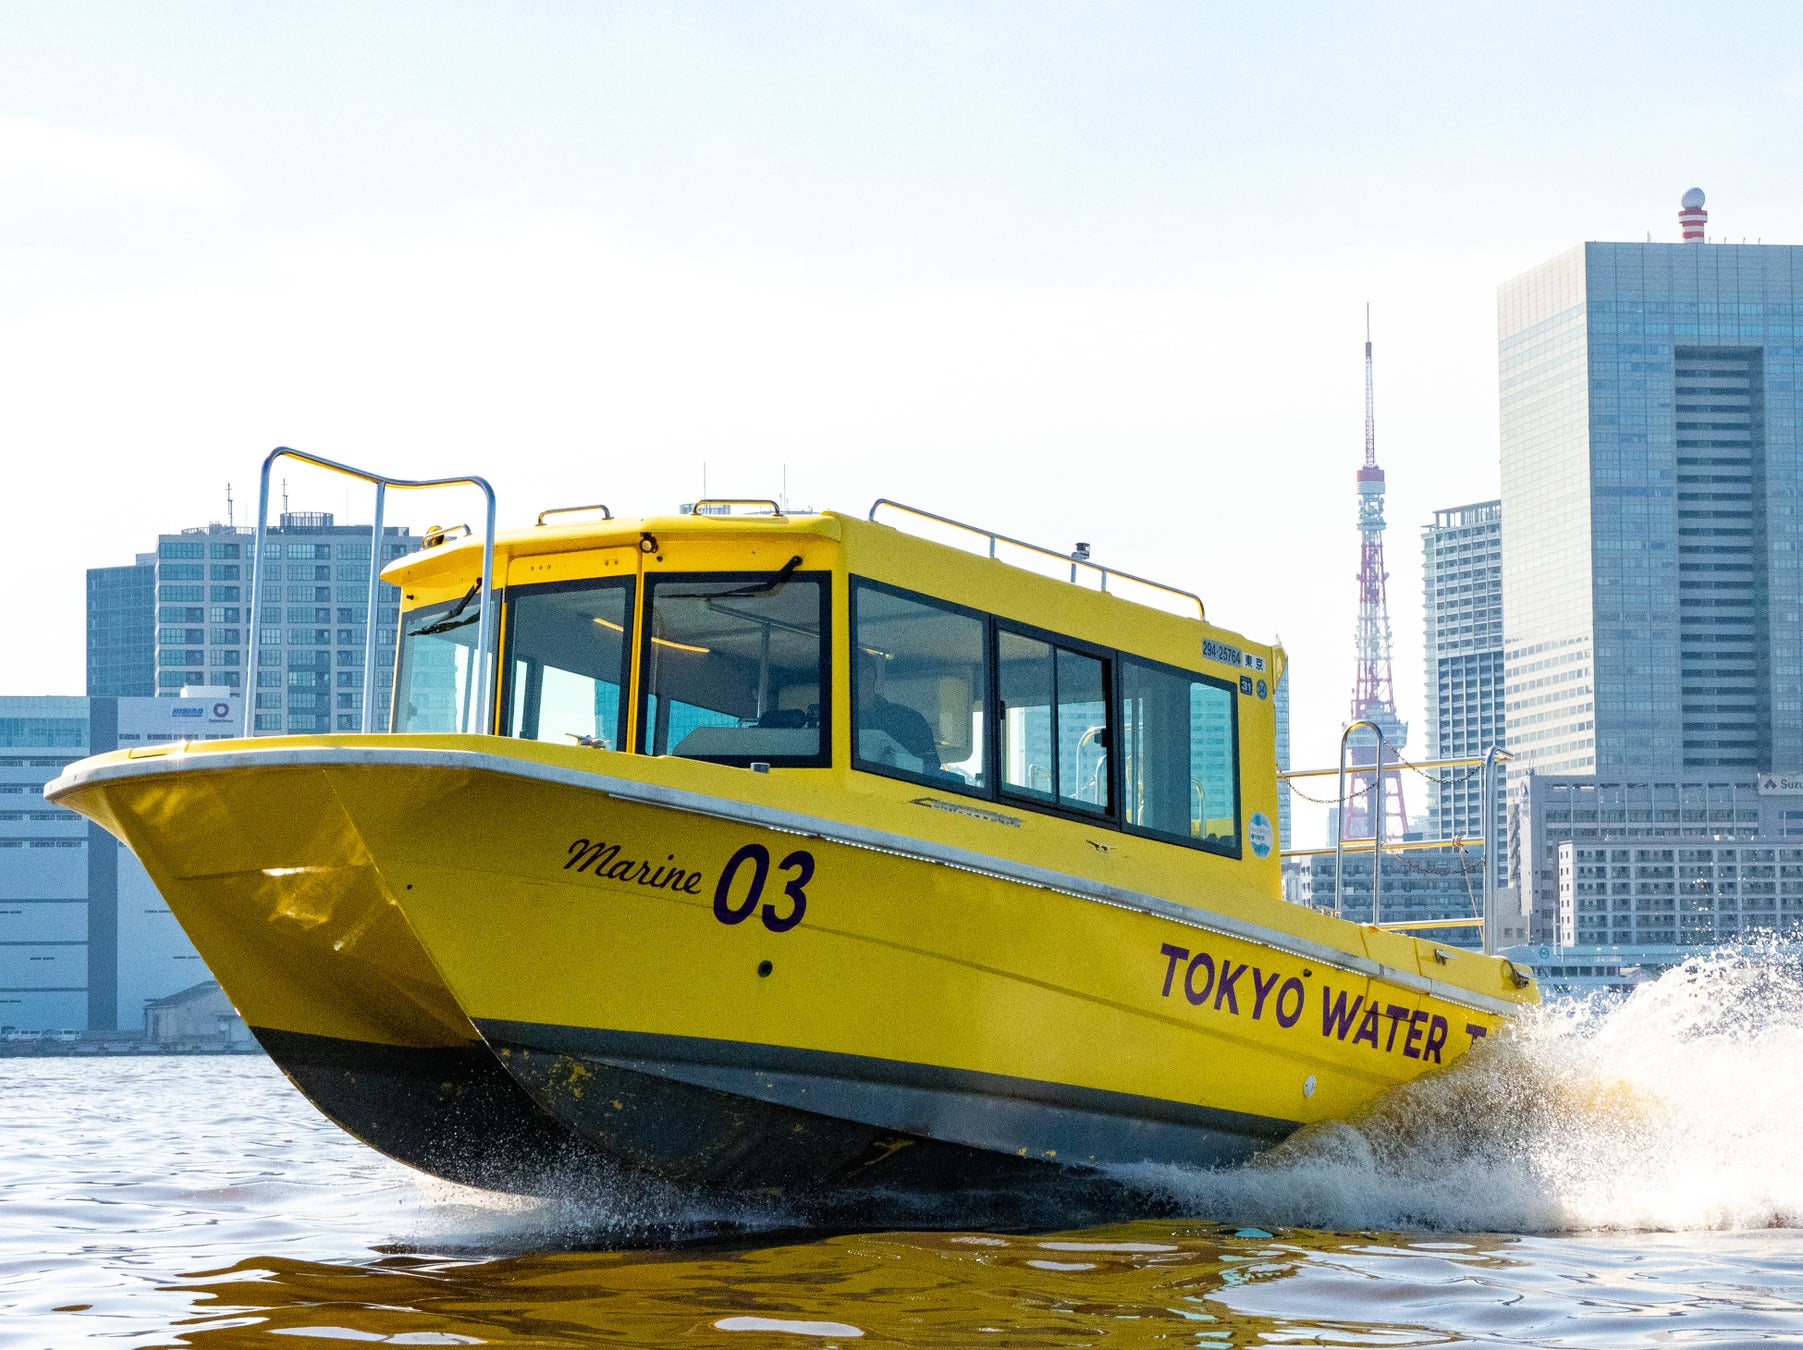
x,y
1373,690
228,506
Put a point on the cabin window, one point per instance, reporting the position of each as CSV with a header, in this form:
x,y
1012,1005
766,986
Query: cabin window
x,y
436,681
1054,722
920,683
566,662
1179,756
734,667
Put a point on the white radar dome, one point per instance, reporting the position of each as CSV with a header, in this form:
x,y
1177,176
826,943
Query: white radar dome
x,y
1693,199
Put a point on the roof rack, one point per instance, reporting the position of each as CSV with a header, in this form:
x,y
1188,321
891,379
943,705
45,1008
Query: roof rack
x,y
1076,560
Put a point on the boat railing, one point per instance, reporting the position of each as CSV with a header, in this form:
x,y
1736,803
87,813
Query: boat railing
x,y
1079,558
1488,765
572,510
723,506
485,637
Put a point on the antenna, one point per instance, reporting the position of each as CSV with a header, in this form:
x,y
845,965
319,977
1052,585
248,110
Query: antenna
x,y
1370,415
284,496
1373,690
228,505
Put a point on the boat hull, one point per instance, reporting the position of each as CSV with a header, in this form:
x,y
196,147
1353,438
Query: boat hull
x,y
736,992
706,978
269,880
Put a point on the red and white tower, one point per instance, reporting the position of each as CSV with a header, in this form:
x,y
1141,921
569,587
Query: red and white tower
x,y
1373,691
1692,218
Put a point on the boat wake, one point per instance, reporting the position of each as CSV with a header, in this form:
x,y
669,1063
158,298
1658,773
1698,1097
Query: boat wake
x,y
1677,1108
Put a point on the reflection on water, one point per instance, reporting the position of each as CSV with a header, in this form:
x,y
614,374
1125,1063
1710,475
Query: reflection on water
x,y
202,1202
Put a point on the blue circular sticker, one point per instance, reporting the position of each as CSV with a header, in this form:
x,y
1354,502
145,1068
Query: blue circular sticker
x,y
1260,834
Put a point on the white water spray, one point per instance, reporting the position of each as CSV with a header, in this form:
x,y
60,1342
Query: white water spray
x,y
1678,1108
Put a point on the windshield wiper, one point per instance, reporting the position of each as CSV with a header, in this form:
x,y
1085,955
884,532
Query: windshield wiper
x,y
451,620
774,582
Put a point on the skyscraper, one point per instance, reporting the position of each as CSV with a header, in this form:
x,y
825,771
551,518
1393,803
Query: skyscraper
x,y
1652,547
122,629
314,620
1461,572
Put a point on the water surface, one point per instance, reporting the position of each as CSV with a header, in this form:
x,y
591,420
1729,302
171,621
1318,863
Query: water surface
x,y
1606,1178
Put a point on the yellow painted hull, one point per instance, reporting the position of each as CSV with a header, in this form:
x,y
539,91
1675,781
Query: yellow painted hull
x,y
917,991
268,877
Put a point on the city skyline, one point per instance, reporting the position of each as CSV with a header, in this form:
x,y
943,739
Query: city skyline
x,y
979,249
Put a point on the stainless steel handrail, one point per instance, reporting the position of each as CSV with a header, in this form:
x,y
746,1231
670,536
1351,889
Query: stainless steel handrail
x,y
571,510
485,633
1377,833
775,507
1072,560
1487,797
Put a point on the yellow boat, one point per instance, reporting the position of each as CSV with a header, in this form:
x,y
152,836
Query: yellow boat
x,y
797,852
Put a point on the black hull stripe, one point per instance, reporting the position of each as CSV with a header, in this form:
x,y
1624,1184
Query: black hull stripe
x,y
992,1112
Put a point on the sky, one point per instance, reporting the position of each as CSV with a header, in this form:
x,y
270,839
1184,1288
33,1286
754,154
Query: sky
x,y
1076,272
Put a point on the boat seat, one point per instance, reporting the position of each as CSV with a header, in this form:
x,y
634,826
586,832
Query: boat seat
x,y
757,742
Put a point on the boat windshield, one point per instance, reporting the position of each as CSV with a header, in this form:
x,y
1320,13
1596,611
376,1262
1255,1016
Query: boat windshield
x,y
435,683
735,669
566,662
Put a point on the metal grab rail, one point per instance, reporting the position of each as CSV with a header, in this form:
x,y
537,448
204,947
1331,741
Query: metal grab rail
x,y
1488,765
1493,757
1073,560
1402,925
485,633
572,510
1469,761
1402,846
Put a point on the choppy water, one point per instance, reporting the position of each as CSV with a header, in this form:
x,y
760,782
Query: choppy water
x,y
1601,1178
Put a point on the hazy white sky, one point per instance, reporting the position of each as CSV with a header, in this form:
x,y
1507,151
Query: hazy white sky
x,y
1076,271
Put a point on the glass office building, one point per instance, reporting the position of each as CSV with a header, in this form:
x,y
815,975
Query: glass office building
x,y
1651,540
1461,574
122,629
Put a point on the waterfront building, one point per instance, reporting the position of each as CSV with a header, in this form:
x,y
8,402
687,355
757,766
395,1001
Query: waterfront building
x,y
314,621
1582,971
1548,812
1645,889
122,629
1461,571
198,1017
85,939
1418,885
1652,543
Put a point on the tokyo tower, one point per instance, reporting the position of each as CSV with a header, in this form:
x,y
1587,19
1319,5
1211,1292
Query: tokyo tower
x,y
1373,692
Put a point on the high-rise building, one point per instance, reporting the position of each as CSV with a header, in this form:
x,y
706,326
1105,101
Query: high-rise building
x,y
1656,861
1461,572
314,621
85,939
122,629
1651,487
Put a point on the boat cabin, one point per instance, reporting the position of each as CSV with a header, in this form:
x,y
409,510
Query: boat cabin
x,y
831,644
